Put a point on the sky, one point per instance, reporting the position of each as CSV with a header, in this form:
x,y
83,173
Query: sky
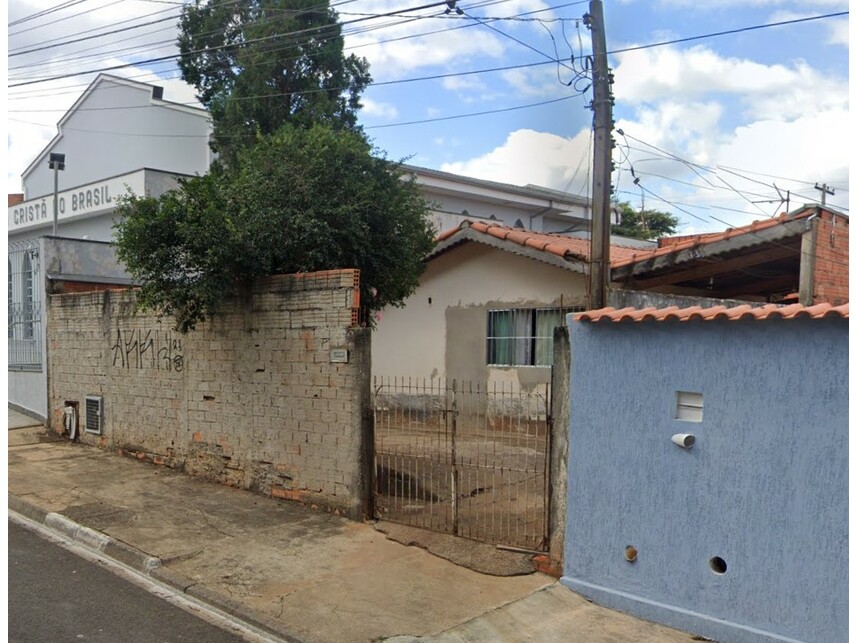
x,y
720,130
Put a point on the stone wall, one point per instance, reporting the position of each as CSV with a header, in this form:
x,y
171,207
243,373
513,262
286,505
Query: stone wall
x,y
259,397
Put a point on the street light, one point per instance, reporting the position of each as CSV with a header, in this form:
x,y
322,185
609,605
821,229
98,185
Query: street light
x,y
56,162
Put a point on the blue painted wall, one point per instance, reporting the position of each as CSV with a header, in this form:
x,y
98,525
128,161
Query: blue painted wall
x,y
765,487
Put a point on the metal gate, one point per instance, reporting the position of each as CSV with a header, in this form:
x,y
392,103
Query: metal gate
x,y
463,458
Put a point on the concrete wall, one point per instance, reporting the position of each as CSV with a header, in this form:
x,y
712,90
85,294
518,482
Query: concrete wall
x,y
100,140
75,259
253,398
441,330
765,488
28,392
620,298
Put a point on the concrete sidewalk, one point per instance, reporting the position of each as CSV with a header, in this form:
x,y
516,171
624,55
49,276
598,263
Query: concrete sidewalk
x,y
298,573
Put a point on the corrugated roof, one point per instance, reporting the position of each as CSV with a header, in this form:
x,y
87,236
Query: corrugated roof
x,y
555,244
769,311
671,245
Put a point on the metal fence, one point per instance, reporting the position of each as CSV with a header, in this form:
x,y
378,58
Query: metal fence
x,y
463,458
25,287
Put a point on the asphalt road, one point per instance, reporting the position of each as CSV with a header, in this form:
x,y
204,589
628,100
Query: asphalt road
x,y
55,595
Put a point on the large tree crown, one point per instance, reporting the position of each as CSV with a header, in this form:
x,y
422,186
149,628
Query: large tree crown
x,y
259,64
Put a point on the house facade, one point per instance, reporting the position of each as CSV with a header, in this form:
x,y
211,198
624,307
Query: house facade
x,y
708,468
486,307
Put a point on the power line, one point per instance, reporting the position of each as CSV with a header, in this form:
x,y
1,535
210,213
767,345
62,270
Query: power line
x,y
694,166
417,122
39,14
483,113
52,22
345,32
384,83
47,44
716,34
215,48
101,35
751,232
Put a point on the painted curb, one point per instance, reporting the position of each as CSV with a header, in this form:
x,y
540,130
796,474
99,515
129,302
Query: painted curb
x,y
147,565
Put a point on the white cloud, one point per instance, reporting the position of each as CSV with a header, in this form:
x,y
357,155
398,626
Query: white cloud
x,y
464,84
765,91
562,162
399,49
721,4
538,81
384,111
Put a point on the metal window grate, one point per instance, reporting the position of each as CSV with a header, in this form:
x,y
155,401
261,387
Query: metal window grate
x,y
93,414
25,306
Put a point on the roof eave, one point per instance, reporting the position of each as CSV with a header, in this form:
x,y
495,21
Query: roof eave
x,y
569,262
773,234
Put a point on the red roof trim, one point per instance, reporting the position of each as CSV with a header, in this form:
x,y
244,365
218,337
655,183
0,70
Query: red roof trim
x,y
555,244
669,246
769,311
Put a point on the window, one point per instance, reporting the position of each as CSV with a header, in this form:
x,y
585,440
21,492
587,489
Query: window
x,y
523,336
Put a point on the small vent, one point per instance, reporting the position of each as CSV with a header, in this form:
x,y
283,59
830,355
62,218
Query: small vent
x,y
93,414
688,406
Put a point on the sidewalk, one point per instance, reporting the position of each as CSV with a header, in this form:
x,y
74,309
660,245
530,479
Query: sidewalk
x,y
298,573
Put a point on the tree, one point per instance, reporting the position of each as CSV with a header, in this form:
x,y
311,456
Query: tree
x,y
647,224
258,64
301,200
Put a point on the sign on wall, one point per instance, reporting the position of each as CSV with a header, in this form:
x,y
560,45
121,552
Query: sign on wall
x,y
86,200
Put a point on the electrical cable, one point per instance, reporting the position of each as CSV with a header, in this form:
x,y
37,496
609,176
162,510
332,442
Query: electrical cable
x,y
716,34
208,49
45,12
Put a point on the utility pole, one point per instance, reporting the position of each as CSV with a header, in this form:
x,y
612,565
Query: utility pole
x,y
824,192
602,106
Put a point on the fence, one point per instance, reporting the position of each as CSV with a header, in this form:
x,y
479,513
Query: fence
x,y
463,458
25,287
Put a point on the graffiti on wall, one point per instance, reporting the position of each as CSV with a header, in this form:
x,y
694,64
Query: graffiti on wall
x,y
147,349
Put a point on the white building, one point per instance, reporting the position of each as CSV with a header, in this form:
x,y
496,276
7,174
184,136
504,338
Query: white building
x,y
119,135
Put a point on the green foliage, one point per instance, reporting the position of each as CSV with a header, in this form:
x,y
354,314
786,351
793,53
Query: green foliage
x,y
258,64
302,200
649,224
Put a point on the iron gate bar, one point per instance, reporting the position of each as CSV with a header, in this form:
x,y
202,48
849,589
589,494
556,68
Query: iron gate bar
x,y
462,458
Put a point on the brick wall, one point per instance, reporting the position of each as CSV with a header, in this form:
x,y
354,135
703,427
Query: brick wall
x,y
250,398
831,259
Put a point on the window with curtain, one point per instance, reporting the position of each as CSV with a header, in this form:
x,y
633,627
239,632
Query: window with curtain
x,y
523,336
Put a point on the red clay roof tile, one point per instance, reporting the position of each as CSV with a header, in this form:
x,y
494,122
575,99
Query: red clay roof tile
x,y
769,311
669,245
555,244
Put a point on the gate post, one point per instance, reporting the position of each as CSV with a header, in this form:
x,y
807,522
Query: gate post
x,y
454,481
558,454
